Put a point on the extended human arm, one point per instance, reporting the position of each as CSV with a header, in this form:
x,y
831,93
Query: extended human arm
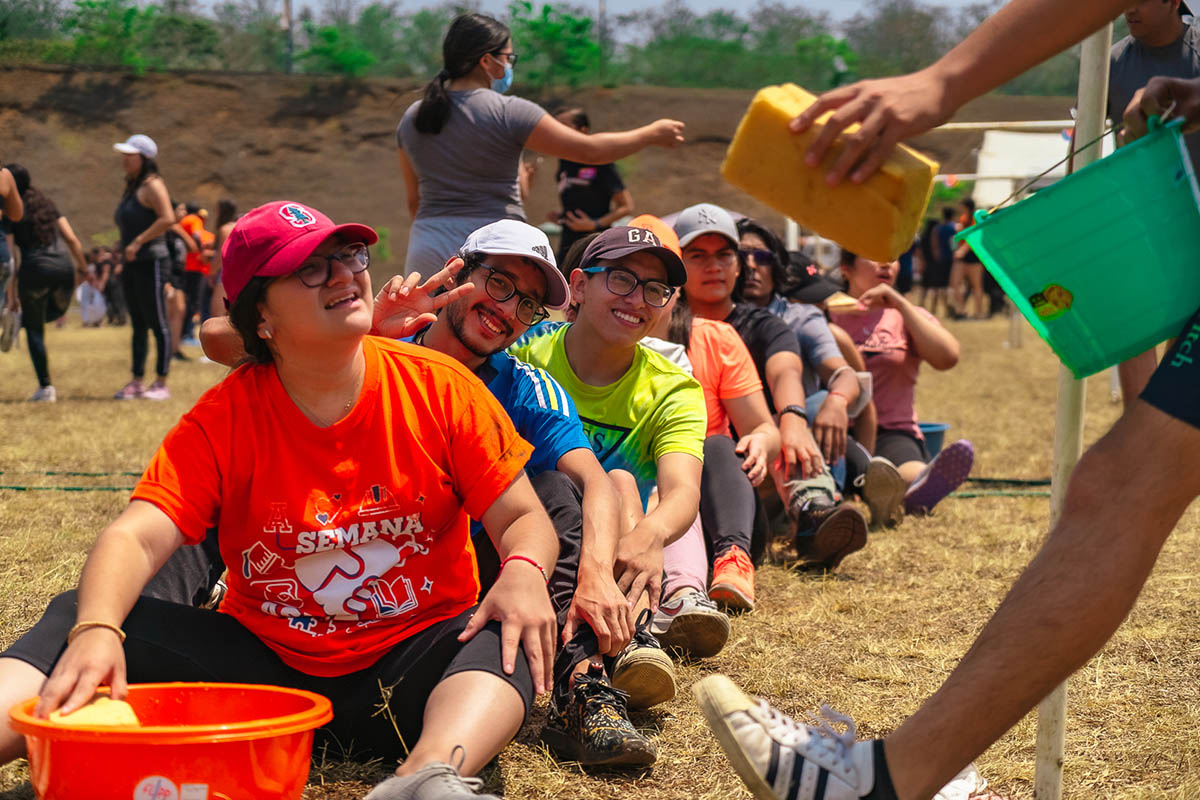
x,y
72,241
760,442
783,372
518,526
126,555
553,138
1019,36
412,189
640,551
934,344
13,208
598,600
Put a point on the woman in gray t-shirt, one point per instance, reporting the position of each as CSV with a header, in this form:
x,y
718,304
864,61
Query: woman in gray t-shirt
x,y
460,145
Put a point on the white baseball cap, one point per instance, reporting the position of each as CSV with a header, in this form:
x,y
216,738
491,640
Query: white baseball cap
x,y
138,143
510,237
695,221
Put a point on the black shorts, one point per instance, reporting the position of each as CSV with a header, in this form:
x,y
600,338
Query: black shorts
x,y
936,275
1174,388
173,642
900,447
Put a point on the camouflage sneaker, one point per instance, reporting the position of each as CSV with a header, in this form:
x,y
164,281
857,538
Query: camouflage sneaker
x,y
594,729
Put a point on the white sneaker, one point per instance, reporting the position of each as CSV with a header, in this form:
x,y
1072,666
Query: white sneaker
x,y
44,394
691,623
883,490
435,781
780,759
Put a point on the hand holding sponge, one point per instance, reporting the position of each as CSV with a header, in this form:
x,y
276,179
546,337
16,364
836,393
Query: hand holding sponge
x,y
876,219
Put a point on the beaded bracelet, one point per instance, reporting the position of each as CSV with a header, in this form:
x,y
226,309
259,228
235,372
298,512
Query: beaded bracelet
x,y
80,627
528,559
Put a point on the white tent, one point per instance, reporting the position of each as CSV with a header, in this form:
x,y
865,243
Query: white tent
x,y
1014,158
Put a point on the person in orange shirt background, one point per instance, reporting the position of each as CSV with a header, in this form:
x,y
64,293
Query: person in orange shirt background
x,y
196,267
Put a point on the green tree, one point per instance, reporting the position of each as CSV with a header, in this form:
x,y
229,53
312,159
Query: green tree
x,y
251,35
898,36
335,49
107,33
30,19
180,41
557,44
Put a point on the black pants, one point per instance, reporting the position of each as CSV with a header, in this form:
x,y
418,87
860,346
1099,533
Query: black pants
x,y
563,502
194,286
174,642
142,281
730,511
44,288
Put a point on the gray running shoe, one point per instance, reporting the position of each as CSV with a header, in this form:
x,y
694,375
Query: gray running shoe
x,y
435,781
691,623
883,489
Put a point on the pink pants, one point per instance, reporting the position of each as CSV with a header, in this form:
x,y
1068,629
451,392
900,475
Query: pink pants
x,y
686,562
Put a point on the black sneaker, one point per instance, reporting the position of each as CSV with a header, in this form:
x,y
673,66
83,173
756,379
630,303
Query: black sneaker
x,y
643,670
827,532
594,728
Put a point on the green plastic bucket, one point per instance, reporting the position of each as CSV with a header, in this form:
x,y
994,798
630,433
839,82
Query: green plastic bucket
x,y
1104,263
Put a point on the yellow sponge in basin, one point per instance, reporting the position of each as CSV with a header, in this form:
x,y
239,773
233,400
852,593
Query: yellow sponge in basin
x,y
876,219
100,710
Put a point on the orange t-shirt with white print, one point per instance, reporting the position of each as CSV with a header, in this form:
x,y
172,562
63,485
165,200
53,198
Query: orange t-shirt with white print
x,y
193,225
343,541
724,368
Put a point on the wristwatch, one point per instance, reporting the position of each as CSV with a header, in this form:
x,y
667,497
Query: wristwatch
x,y
798,410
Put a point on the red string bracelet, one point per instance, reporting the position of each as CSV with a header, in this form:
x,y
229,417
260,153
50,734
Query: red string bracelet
x,y
529,560
844,397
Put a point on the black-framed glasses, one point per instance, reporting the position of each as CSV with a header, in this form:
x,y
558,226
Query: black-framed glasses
x,y
762,258
622,283
510,55
316,269
501,288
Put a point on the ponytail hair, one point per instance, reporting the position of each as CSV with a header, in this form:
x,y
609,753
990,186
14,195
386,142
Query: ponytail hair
x,y
470,38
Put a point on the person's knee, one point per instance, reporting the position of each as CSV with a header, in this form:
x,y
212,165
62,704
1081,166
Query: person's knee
x,y
719,447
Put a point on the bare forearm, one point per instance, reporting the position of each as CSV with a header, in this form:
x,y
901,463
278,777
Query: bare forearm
x,y
934,343
115,573
603,148
530,534
674,513
601,526
770,437
1018,37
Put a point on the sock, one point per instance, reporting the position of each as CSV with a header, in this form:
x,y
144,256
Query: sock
x,y
882,789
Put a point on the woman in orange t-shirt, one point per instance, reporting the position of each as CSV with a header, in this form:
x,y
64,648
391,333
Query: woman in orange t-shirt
x,y
340,470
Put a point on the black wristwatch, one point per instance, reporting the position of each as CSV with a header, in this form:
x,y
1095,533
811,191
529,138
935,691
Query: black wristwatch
x,y
799,411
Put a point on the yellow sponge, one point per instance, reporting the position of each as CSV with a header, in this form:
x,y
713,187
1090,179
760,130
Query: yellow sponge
x,y
100,710
876,219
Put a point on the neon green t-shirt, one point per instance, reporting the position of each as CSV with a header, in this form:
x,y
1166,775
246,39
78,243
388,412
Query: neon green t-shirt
x,y
654,409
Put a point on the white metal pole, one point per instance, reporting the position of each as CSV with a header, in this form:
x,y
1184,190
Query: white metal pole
x,y
1068,420
791,235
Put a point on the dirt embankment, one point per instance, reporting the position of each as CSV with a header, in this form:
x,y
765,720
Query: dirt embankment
x,y
330,143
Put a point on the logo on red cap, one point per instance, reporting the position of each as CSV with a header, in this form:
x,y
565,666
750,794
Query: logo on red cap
x,y
297,216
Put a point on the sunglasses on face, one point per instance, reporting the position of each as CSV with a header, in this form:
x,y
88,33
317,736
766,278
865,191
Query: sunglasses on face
x,y
761,258
317,269
622,283
501,288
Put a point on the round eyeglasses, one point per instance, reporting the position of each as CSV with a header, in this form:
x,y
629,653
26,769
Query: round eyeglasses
x,y
317,269
501,288
622,283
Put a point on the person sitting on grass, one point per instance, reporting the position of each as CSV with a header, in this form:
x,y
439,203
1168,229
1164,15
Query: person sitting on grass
x,y
354,567
894,337
644,417
825,529
511,260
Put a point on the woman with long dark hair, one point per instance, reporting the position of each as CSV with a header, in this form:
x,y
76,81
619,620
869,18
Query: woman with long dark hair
x,y
143,216
460,145
50,259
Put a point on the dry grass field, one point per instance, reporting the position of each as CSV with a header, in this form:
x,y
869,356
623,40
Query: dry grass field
x,y
872,640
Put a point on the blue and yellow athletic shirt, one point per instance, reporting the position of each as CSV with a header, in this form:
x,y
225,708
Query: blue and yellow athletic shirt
x,y
654,409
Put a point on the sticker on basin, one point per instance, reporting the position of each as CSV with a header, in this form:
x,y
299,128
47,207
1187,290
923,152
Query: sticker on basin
x,y
156,787
193,791
1052,302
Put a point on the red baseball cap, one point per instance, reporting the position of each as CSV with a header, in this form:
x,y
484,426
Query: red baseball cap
x,y
274,239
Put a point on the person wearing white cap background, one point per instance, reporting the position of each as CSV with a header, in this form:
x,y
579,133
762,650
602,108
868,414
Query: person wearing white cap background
x,y
143,216
508,273
11,210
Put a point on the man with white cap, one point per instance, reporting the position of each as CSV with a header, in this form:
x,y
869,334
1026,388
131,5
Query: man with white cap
x,y
826,531
507,278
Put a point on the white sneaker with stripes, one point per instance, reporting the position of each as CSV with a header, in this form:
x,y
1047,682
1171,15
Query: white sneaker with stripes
x,y
780,759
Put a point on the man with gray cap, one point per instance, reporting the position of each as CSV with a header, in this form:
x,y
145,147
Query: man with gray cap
x,y
826,530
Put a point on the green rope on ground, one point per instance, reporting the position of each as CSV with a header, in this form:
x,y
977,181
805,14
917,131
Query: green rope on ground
x,y
67,488
1013,481
1001,493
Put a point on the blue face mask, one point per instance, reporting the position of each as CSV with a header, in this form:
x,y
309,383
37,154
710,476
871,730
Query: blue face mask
x,y
502,85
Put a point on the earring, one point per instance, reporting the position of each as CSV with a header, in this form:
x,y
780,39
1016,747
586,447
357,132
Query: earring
x,y
266,334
